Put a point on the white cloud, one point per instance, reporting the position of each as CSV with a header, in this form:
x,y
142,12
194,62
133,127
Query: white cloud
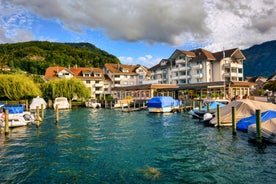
x,y
211,23
15,23
169,22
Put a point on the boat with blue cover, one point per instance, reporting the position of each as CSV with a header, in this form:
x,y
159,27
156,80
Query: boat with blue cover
x,y
244,123
17,116
163,104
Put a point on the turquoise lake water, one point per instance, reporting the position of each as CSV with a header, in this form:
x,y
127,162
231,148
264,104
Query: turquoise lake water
x,y
110,146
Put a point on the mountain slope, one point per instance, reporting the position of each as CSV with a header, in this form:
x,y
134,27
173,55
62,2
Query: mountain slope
x,y
260,60
35,56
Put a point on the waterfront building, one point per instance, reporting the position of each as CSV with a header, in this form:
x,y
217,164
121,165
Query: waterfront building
x,y
125,75
201,70
199,65
94,78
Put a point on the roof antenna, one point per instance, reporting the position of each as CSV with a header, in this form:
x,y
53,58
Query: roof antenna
x,y
223,52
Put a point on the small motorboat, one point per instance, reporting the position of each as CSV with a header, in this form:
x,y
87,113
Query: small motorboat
x,y
17,116
37,102
92,103
62,103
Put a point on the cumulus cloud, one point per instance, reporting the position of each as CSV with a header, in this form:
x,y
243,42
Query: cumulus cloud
x,y
15,24
169,22
212,23
240,23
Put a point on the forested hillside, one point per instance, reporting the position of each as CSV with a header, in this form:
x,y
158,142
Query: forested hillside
x,y
260,60
35,56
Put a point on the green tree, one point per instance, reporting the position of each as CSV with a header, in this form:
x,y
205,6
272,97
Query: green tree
x,y
69,88
18,87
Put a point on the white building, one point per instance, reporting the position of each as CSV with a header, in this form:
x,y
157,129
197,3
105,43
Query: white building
x,y
197,66
93,78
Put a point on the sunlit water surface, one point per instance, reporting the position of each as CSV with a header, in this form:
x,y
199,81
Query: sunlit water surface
x,y
110,146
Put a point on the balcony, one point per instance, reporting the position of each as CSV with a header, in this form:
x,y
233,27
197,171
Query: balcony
x,y
198,66
98,85
184,68
200,75
181,77
180,61
232,65
117,78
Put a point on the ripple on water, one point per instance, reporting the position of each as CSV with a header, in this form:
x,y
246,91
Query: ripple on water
x,y
110,146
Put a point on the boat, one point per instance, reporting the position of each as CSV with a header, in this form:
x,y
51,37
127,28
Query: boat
x,y
122,103
244,108
37,102
92,103
268,130
62,103
17,116
244,123
203,114
163,104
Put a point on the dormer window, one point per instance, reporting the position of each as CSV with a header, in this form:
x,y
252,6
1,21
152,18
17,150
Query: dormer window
x,y
124,70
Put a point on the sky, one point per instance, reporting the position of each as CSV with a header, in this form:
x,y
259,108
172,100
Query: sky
x,y
141,31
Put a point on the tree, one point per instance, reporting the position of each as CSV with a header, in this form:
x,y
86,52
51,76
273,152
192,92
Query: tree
x,y
18,87
69,88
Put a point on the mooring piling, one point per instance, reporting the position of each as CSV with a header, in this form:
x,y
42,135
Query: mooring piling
x,y
218,115
258,126
6,122
234,125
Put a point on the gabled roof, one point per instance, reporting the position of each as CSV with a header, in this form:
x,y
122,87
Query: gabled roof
x,y
202,54
51,72
159,64
116,68
178,52
229,53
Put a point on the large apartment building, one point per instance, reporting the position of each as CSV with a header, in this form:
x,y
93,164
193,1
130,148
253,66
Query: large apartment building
x,y
199,65
126,75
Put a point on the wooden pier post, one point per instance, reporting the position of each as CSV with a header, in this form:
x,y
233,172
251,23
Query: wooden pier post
x,y
200,105
6,122
27,105
234,125
57,114
105,104
258,126
70,104
111,104
208,107
42,112
193,105
218,115
37,116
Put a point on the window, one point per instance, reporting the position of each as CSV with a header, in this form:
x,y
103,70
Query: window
x,y
88,82
199,71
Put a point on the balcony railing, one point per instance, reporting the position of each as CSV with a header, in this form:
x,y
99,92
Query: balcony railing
x,y
179,61
198,75
198,66
233,65
98,85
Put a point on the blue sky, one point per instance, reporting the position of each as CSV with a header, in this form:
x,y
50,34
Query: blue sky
x,y
141,31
